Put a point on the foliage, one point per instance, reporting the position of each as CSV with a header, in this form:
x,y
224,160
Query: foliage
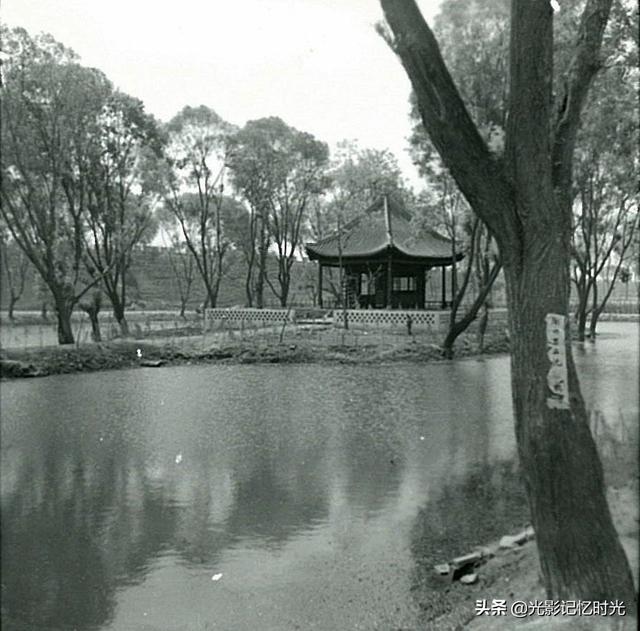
x,y
278,170
355,179
73,199
191,176
119,212
51,109
605,211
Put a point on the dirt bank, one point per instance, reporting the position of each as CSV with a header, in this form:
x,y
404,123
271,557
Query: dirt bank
x,y
514,575
52,360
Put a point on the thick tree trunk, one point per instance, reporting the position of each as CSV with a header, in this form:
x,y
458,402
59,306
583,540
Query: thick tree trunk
x,y
92,309
580,553
64,309
525,200
119,315
211,298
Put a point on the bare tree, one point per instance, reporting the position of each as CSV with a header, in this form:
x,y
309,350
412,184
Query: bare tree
x,y
184,271
118,213
605,209
193,174
278,170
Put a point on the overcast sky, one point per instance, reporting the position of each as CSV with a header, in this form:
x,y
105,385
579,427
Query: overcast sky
x,y
317,64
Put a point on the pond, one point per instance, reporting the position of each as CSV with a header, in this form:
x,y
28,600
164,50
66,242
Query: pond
x,y
256,497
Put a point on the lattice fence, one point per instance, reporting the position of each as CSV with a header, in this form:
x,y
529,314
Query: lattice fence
x,y
385,317
253,317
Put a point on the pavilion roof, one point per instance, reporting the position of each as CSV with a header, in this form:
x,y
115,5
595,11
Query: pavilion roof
x,y
383,226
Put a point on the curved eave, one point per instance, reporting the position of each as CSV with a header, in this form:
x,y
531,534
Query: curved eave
x,y
315,255
399,253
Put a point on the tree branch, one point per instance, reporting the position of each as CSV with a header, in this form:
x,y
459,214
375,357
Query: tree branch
x,y
479,175
583,68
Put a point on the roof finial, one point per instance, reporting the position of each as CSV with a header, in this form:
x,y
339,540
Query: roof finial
x,y
387,218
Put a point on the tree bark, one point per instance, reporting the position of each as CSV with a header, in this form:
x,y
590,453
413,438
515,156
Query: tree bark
x,y
459,327
96,334
92,309
64,309
580,554
263,251
119,315
583,288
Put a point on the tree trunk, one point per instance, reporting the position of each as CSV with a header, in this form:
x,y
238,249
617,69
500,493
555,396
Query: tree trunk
x,y
248,289
64,309
96,334
580,553
284,291
263,252
212,298
594,307
526,202
43,312
582,313
593,323
119,315
260,280
456,328
92,309
12,304
482,326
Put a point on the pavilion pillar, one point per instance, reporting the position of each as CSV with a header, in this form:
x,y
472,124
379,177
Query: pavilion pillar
x,y
320,285
389,281
420,281
444,288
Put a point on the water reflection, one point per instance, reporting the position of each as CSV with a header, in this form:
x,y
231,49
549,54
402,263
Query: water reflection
x,y
124,492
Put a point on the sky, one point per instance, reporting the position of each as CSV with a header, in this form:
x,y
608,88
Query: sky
x,y
317,64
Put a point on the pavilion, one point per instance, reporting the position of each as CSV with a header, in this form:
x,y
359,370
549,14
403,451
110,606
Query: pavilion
x,y
384,261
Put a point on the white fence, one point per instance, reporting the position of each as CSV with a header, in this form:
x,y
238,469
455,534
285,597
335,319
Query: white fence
x,y
365,318
417,321
237,318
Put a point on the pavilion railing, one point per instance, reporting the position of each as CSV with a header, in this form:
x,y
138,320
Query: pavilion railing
x,y
431,320
415,321
237,317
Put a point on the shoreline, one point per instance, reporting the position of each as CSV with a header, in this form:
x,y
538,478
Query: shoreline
x,y
123,354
